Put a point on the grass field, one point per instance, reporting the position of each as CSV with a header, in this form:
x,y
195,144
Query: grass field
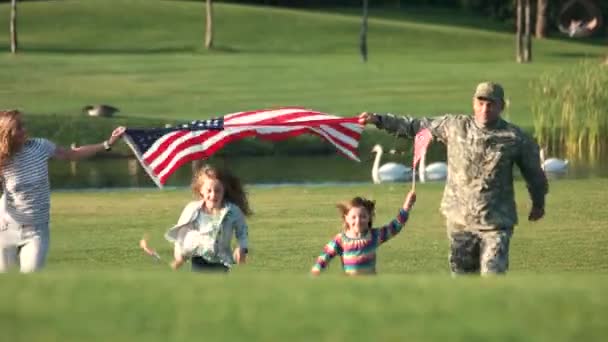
x,y
146,57
99,286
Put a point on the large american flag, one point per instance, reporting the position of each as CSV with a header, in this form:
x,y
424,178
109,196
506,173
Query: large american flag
x,y
161,151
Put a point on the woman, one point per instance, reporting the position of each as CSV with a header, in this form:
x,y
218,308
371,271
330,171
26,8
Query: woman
x,y
25,201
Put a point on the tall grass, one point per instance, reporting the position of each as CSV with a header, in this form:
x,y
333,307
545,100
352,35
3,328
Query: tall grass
x,y
570,108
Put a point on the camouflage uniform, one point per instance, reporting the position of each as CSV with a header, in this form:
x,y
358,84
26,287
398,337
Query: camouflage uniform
x,y
478,200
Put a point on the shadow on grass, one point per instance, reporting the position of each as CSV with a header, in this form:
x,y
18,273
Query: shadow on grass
x,y
457,18
24,48
595,40
430,15
100,51
577,55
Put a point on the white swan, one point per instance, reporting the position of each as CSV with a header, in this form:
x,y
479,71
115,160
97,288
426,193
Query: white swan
x,y
433,172
389,172
552,165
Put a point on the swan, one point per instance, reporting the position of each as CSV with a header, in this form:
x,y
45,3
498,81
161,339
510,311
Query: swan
x,y
389,172
552,165
433,172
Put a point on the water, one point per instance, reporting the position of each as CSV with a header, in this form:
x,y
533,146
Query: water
x,y
123,172
120,173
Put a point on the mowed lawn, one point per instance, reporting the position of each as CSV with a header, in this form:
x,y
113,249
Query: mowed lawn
x,y
146,57
99,285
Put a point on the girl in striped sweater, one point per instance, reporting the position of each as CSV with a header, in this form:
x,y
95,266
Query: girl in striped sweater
x,y
357,243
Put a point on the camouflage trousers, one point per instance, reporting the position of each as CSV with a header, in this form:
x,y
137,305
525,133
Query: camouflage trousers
x,y
478,251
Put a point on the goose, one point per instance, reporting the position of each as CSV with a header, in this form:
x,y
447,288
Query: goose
x,y
433,172
99,110
552,165
389,172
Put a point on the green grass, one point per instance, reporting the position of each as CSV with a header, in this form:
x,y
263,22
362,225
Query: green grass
x,y
99,286
146,58
144,306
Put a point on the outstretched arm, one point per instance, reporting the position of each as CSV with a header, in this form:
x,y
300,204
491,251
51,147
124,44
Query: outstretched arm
x,y
407,126
394,227
87,151
330,250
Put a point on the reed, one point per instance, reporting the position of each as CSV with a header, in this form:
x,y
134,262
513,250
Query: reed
x,y
570,109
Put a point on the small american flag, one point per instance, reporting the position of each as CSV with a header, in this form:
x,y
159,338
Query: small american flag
x,y
161,151
421,143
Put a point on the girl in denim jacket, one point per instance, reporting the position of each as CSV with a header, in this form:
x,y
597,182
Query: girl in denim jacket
x,y
205,228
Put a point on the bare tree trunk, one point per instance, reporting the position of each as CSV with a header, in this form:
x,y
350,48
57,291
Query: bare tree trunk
x,y
528,32
518,32
541,19
209,25
13,26
363,36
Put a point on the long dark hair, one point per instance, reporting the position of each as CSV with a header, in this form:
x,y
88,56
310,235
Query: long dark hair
x,y
233,189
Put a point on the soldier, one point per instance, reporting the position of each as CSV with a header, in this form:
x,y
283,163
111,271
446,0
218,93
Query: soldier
x,y
478,201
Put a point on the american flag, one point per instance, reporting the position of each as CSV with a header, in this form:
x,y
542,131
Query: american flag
x,y
161,151
421,143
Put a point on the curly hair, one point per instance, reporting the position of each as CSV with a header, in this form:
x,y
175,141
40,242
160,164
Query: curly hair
x,y
357,202
9,126
233,189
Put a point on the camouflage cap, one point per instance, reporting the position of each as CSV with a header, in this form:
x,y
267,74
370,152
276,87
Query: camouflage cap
x,y
490,90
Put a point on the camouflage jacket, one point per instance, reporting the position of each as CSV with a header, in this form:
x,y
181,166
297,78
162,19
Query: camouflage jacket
x,y
479,188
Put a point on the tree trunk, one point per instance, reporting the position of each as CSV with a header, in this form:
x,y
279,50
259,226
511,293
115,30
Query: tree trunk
x,y
528,33
363,36
209,25
13,26
518,32
541,19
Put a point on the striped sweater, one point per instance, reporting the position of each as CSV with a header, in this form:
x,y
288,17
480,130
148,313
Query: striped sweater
x,y
358,255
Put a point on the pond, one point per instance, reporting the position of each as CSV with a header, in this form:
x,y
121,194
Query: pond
x,y
126,172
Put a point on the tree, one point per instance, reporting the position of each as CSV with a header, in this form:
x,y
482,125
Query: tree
x,y
209,25
13,26
363,36
541,19
528,32
523,32
519,42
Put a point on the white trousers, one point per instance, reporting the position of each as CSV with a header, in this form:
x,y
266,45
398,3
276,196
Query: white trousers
x,y
25,246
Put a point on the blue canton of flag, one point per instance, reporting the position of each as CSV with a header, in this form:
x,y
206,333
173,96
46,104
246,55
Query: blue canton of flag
x,y
144,138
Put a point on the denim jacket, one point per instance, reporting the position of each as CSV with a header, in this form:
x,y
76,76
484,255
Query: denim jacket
x,y
231,222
